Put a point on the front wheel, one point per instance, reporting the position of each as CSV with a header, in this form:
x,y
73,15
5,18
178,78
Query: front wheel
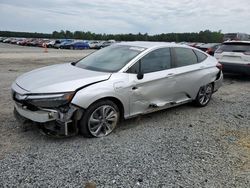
x,y
100,119
204,95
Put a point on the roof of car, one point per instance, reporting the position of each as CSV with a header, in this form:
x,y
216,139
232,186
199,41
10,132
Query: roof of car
x,y
145,44
209,45
236,41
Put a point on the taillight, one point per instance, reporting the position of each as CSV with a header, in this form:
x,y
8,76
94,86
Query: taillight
x,y
219,66
247,53
209,50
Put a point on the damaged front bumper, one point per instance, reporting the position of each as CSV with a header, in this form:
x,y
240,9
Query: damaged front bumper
x,y
53,122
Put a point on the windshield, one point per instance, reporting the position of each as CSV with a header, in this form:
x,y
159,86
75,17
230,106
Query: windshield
x,y
110,59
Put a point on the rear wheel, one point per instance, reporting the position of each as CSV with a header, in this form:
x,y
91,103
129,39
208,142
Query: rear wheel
x,y
204,95
100,119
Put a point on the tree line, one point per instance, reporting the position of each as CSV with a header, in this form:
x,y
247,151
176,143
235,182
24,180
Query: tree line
x,y
24,34
202,36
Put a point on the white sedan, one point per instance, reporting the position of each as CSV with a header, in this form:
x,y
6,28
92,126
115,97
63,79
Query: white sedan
x,y
121,81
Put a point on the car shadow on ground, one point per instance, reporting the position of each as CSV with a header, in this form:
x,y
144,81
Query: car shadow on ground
x,y
144,118
236,77
32,129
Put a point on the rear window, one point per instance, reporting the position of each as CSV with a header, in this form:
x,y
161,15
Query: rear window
x,y
184,57
235,47
200,56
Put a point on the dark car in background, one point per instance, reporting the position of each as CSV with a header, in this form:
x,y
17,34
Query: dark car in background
x,y
76,45
234,57
209,48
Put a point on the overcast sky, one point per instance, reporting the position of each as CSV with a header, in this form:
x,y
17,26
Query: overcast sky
x,y
125,16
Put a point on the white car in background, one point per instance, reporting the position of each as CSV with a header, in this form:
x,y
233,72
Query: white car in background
x,y
116,82
94,44
234,56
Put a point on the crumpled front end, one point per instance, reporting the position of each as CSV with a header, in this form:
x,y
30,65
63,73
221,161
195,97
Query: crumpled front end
x,y
54,113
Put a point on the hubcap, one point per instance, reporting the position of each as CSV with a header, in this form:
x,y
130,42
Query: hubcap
x,y
103,121
205,94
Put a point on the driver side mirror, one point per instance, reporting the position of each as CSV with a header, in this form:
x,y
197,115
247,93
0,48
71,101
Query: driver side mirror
x,y
140,73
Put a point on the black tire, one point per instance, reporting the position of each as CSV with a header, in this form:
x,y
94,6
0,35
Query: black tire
x,y
204,95
84,124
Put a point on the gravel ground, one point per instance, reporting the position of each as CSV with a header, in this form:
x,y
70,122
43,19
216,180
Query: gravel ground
x,y
184,146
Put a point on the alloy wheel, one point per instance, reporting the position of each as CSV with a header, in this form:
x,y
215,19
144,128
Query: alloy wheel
x,y
102,121
205,94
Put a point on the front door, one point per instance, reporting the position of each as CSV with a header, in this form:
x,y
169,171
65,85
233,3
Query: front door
x,y
156,88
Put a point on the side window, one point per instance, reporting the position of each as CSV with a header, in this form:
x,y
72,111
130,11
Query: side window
x,y
184,57
156,60
201,56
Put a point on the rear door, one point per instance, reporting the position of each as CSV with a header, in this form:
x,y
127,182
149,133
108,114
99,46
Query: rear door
x,y
191,72
156,88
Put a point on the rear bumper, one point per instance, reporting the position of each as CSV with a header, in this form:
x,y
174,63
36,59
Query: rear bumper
x,y
235,68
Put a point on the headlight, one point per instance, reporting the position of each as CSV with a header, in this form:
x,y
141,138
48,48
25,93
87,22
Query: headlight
x,y
50,100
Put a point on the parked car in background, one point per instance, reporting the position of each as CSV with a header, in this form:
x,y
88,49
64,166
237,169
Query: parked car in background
x,y
193,44
209,48
61,43
14,41
58,41
197,45
20,41
7,40
119,81
234,56
32,42
107,43
94,44
76,45
2,39
25,42
51,43
41,42
236,36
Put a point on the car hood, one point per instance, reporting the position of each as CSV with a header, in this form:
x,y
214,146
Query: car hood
x,y
59,78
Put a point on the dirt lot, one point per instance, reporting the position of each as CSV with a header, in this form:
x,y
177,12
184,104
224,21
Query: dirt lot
x,y
179,147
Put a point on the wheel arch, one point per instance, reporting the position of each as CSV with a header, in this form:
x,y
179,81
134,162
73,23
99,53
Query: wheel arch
x,y
114,100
